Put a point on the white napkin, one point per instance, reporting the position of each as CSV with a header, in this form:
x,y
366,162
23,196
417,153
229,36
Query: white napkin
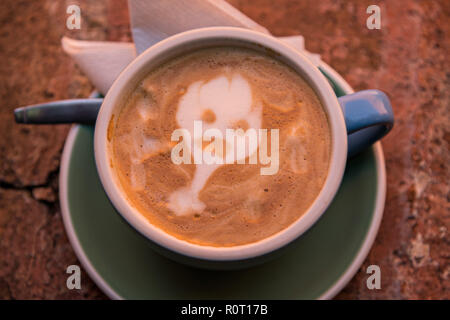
x,y
101,61
152,21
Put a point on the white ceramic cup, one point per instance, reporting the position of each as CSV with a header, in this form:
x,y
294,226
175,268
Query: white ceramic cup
x,y
208,256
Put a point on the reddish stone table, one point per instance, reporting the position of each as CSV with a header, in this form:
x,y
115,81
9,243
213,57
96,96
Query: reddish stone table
x,y
406,59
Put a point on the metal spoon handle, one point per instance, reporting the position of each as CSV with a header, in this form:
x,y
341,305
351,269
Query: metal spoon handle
x,y
63,111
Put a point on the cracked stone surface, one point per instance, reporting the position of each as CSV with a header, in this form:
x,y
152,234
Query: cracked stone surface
x,y
406,59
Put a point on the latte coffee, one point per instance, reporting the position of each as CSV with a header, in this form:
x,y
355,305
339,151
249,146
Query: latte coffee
x,y
175,146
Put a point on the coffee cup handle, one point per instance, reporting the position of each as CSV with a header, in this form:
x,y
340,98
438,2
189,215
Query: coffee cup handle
x,y
368,117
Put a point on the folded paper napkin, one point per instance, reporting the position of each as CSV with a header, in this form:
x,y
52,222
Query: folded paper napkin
x,y
152,21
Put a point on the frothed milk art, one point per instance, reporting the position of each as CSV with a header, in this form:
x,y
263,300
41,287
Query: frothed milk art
x,y
222,146
227,107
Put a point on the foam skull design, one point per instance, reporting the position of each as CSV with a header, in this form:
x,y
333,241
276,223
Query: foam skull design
x,y
222,103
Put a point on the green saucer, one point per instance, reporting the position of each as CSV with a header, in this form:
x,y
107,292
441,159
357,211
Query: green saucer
x,y
123,265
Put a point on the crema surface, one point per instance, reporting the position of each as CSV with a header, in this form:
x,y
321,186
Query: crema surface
x,y
221,204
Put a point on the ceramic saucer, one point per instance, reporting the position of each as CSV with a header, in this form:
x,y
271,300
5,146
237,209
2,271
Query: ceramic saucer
x,y
122,264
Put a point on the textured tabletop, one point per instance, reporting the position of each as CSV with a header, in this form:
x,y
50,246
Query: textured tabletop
x,y
406,58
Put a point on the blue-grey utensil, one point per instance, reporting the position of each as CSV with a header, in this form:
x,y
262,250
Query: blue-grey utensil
x,y
63,111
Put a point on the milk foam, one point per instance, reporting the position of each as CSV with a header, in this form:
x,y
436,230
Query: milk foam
x,y
146,109
230,99
235,204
